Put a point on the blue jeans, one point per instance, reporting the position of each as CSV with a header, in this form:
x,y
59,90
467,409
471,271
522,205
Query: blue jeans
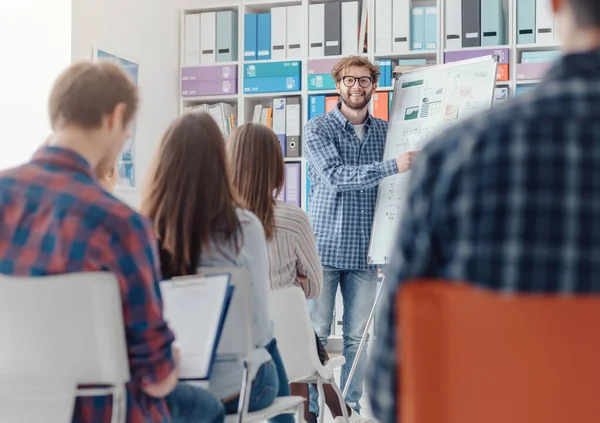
x,y
359,289
270,382
191,404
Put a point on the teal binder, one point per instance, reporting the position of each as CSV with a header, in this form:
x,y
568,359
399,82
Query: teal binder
x,y
227,36
492,23
526,21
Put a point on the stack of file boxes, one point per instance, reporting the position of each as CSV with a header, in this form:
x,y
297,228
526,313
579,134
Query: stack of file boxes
x,y
272,77
211,37
276,35
199,81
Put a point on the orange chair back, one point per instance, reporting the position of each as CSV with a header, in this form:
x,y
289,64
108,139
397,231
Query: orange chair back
x,y
473,356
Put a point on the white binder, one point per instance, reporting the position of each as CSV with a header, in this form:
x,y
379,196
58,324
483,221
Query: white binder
x,y
350,23
192,39
208,38
544,22
316,27
383,26
295,32
453,24
278,33
401,26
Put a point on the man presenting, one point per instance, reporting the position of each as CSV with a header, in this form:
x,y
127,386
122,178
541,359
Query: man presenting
x,y
344,150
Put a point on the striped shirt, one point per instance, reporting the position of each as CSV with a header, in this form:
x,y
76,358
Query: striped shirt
x,y
293,252
508,200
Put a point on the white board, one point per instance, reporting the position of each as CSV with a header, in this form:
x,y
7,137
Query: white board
x,y
426,101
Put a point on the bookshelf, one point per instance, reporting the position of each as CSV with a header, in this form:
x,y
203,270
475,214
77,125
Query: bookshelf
x,y
245,103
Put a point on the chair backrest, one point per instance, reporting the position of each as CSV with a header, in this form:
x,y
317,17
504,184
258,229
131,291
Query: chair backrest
x,y
471,356
294,333
234,340
64,329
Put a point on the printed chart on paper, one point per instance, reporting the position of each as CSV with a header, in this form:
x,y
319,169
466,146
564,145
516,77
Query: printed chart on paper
x,y
426,102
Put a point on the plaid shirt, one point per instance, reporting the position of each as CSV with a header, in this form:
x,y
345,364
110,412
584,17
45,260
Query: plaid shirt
x,y
509,201
57,219
344,178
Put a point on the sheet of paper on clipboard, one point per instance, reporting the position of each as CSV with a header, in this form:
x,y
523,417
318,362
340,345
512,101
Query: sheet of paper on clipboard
x,y
195,308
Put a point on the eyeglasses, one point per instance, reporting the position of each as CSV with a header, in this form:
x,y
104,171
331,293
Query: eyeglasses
x,y
363,81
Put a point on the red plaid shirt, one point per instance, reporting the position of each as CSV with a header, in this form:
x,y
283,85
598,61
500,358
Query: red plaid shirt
x,y
55,218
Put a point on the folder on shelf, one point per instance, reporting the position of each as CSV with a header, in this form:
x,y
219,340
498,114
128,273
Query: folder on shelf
x,y
383,26
526,21
316,28
292,183
544,22
453,22
316,105
263,39
295,32
227,36
250,36
333,29
417,25
431,28
278,33
192,39
293,127
471,23
331,102
381,105
350,23
195,308
272,84
492,23
262,70
279,120
401,26
500,95
208,35
322,81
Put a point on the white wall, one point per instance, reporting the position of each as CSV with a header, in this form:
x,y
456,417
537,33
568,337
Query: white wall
x,y
35,41
145,32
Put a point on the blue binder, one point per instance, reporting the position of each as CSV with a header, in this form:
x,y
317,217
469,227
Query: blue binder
x,y
316,105
492,23
264,36
431,28
417,25
526,21
250,36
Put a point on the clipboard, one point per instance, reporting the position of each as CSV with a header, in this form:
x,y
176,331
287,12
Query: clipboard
x,y
195,308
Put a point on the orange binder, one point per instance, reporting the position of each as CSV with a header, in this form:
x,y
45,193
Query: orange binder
x,y
381,105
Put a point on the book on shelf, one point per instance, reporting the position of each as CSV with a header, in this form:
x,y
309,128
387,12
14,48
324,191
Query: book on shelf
x,y
225,115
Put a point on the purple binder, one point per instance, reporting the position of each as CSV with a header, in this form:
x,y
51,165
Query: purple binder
x,y
456,56
293,190
207,73
212,87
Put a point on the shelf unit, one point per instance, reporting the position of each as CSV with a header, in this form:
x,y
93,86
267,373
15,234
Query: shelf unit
x,y
245,102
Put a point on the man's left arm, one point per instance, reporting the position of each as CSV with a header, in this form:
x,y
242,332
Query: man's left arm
x,y
413,256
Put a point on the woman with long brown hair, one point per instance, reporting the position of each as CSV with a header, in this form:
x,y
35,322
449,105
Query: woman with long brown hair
x,y
257,172
198,222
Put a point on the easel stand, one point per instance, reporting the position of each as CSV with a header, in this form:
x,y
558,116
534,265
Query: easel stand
x,y
363,339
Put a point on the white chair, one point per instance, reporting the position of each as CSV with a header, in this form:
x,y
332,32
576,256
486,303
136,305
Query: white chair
x,y
236,340
59,332
296,339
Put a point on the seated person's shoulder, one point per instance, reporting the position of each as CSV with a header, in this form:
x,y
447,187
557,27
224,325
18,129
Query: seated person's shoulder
x,y
290,217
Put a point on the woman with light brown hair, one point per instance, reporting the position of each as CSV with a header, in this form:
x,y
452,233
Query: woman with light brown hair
x,y
198,222
257,172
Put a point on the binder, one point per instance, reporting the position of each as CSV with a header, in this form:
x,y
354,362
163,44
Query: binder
x,y
331,102
544,22
471,24
401,26
350,28
250,36
195,308
316,105
316,28
292,184
383,26
262,70
293,127
431,25
263,39
192,39
453,22
272,84
278,33
492,23
295,32
279,121
417,26
333,29
227,36
381,105
526,21
208,34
